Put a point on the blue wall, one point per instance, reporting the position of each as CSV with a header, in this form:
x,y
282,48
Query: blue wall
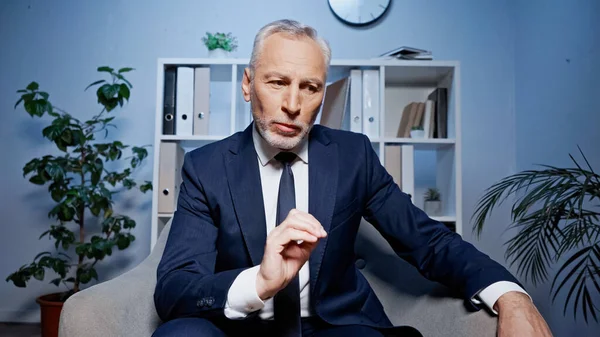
x,y
61,43
557,69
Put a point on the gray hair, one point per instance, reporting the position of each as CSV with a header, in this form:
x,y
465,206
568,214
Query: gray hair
x,y
292,28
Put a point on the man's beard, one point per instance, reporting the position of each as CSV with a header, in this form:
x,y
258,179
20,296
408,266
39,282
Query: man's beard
x,y
275,139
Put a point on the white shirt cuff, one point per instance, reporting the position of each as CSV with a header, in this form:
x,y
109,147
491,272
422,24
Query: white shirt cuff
x,y
242,298
492,293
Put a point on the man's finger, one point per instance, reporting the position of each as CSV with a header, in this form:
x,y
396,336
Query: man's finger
x,y
290,234
303,223
311,220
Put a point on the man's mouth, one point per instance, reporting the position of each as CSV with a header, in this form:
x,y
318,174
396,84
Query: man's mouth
x,y
286,128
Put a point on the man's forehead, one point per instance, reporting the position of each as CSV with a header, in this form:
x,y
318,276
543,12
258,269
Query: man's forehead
x,y
281,53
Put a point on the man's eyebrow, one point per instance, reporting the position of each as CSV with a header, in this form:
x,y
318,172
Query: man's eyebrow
x,y
275,74
314,80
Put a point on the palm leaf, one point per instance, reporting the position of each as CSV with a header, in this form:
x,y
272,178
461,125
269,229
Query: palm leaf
x,y
554,214
581,270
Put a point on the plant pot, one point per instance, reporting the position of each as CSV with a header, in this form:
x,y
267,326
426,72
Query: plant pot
x,y
433,208
50,308
218,53
417,133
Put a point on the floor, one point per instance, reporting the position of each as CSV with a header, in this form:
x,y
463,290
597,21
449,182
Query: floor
x,y
20,330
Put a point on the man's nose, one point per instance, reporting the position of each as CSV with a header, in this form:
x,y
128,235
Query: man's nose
x,y
292,101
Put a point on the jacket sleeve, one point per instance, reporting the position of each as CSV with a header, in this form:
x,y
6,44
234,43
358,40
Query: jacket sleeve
x,y
438,253
186,282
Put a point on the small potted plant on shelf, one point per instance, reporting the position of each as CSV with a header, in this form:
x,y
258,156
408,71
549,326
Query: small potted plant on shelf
x,y
433,204
417,132
81,184
219,44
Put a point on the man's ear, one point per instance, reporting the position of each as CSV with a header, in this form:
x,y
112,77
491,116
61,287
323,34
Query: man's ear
x,y
246,84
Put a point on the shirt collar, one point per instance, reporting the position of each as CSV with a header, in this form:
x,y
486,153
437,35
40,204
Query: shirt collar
x,y
266,152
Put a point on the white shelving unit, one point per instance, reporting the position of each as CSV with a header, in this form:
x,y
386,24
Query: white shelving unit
x,y
437,161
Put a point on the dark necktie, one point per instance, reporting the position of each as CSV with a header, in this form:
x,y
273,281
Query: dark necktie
x,y
287,301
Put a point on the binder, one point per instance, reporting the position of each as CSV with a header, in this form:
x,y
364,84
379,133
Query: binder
x,y
184,101
356,100
335,103
201,100
370,103
169,176
408,170
169,101
393,162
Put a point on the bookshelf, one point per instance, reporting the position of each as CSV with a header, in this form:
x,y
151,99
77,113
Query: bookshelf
x,y
426,162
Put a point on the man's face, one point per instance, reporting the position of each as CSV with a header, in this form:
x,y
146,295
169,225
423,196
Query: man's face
x,y
287,89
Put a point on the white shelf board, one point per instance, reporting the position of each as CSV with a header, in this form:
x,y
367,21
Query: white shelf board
x,y
415,140
419,144
374,62
192,137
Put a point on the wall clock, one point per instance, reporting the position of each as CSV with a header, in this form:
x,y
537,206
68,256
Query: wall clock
x,y
359,12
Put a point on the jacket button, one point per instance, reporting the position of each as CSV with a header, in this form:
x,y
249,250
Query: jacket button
x,y
201,303
360,263
210,301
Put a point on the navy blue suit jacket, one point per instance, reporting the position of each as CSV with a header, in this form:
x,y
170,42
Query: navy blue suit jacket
x,y
219,230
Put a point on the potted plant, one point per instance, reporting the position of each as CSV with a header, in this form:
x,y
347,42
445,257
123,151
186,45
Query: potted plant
x,y
219,44
556,213
433,204
83,187
417,132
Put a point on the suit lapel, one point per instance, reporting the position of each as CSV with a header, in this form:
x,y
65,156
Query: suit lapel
x,y
243,177
322,182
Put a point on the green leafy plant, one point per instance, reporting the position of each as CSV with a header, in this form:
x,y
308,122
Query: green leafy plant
x,y
220,40
432,194
418,127
79,181
556,214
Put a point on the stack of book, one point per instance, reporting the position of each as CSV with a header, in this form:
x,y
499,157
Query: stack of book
x,y
430,116
408,53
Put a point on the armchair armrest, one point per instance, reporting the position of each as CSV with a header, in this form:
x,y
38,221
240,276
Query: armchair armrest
x,y
123,306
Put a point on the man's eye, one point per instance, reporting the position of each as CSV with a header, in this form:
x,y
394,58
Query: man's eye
x,y
311,88
277,83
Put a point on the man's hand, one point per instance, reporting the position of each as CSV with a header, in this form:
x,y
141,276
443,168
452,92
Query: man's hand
x,y
517,316
284,256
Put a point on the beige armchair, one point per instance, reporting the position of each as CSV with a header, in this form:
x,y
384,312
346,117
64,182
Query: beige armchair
x,y
124,306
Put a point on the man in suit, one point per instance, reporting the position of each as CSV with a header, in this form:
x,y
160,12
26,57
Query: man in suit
x,y
262,242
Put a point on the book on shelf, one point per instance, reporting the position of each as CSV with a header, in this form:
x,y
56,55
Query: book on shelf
x,y
186,100
440,98
431,116
408,53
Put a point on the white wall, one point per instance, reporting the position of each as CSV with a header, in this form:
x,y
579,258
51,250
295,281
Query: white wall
x,y
61,43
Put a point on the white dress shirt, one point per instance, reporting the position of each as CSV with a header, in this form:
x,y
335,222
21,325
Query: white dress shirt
x,y
242,297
